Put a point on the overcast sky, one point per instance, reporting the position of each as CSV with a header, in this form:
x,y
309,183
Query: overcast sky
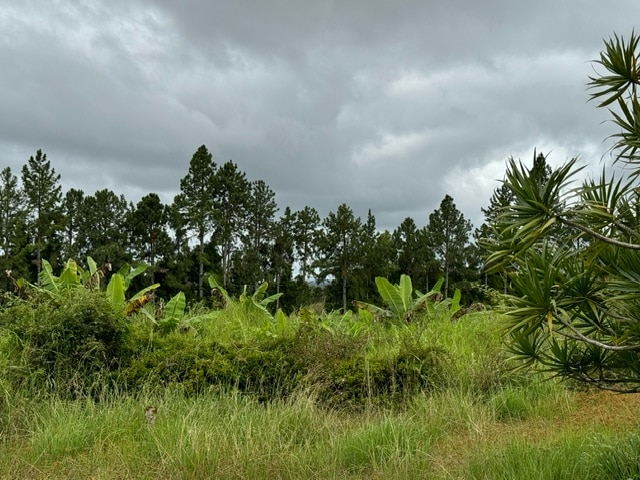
x,y
382,105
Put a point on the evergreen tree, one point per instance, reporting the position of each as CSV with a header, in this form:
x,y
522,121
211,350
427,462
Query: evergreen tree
x,y
415,256
231,197
195,203
281,262
541,171
486,234
306,228
43,193
149,238
104,226
72,210
448,232
12,228
257,235
377,254
405,238
339,248
502,198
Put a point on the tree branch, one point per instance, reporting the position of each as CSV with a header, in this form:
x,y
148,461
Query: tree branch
x,y
583,338
599,236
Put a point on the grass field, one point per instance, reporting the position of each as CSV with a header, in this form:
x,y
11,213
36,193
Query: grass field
x,y
474,428
564,435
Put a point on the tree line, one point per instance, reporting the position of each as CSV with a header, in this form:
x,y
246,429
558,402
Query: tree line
x,y
222,223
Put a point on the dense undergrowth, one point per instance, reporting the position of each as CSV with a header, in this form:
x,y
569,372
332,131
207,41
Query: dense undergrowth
x,y
244,394
80,345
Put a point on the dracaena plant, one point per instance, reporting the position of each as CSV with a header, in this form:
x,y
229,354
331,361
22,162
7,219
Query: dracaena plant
x,y
575,304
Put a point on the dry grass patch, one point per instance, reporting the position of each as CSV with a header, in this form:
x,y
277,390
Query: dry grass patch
x,y
574,413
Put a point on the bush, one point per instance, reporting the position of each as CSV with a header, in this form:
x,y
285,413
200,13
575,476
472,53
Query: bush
x,y
68,345
345,373
266,369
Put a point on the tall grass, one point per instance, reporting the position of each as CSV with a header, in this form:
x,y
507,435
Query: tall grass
x,y
588,455
479,420
218,436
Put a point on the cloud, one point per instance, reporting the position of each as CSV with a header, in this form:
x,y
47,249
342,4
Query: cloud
x,y
381,106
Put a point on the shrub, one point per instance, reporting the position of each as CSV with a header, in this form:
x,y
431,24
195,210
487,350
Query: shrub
x,y
67,345
345,372
265,368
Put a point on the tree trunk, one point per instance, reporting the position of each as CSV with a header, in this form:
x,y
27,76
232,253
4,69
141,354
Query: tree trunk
x,y
201,266
344,294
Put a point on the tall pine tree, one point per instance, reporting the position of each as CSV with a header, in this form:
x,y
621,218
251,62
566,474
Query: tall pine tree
x,y
195,203
448,232
231,198
43,193
12,227
339,247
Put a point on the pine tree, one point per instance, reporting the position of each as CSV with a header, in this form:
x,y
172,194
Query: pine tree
x,y
195,203
148,231
306,228
230,200
339,247
43,193
12,227
73,231
448,232
281,260
104,226
257,234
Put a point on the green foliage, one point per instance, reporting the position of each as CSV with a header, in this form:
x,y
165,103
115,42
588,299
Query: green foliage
x,y
195,204
258,301
42,191
218,292
174,310
68,279
74,277
402,303
448,234
101,230
334,356
13,235
620,60
339,249
578,312
399,298
69,344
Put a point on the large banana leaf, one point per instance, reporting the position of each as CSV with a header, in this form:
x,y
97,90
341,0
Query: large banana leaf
x,y
425,299
70,276
174,310
396,297
48,281
116,289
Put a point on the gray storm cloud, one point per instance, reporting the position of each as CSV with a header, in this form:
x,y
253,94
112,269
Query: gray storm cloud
x,y
380,105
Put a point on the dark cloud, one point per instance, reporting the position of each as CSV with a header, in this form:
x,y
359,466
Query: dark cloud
x,y
381,105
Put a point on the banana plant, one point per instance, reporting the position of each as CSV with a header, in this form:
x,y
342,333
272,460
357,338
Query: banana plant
x,y
403,302
258,300
73,276
218,289
119,284
58,285
168,316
